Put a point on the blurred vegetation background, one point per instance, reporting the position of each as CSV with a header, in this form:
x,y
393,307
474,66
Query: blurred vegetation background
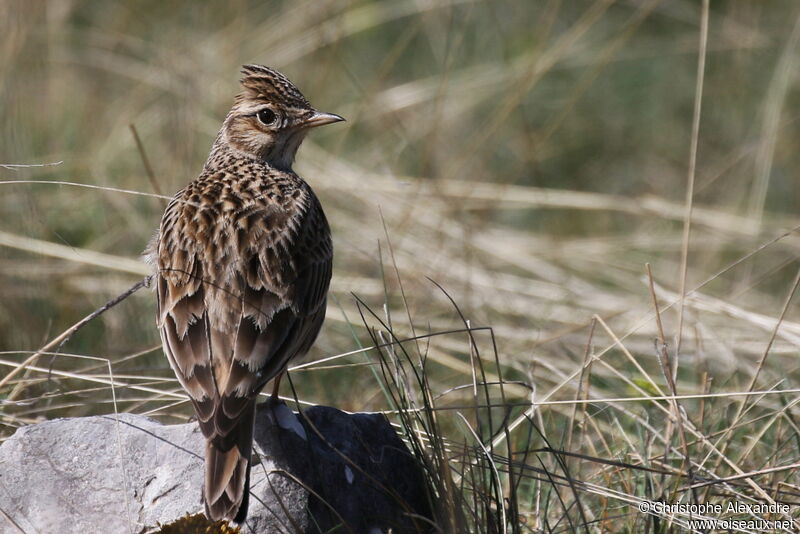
x,y
528,156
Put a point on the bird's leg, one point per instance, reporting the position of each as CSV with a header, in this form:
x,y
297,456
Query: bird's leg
x,y
276,384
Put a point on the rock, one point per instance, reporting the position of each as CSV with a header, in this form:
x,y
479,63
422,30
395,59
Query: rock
x,y
127,473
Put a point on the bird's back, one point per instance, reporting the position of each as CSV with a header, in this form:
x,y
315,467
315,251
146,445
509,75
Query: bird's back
x,y
243,258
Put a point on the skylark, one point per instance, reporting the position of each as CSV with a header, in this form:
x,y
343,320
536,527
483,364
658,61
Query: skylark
x,y
242,264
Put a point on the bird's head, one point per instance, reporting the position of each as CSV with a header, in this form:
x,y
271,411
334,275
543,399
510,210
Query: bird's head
x,y
270,117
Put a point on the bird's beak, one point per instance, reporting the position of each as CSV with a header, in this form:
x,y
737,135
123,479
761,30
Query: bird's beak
x,y
320,119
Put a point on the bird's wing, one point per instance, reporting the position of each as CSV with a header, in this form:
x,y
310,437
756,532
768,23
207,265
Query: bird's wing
x,y
182,314
285,284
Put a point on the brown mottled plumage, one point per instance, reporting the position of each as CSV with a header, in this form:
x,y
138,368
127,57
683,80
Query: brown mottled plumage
x,y
243,262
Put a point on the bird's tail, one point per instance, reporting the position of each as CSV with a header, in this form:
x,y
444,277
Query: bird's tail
x,y
227,485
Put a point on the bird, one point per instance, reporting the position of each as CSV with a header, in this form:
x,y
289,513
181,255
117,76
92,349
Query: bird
x,y
241,265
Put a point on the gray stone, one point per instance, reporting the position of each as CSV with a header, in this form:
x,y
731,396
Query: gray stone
x,y
362,478
127,473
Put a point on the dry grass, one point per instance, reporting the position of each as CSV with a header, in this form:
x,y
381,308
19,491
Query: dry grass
x,y
527,158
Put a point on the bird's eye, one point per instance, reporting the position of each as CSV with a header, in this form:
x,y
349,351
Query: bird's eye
x,y
266,116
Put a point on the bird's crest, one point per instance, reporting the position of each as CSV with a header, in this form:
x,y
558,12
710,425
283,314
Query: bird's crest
x,y
263,83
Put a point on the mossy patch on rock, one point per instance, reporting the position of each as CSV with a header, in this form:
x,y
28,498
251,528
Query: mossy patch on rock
x,y
196,524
